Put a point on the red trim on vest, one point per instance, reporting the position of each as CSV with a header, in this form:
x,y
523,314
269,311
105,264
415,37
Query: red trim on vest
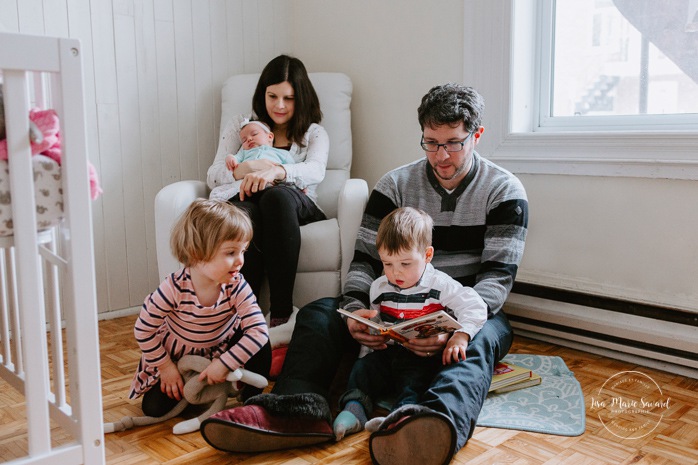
x,y
408,313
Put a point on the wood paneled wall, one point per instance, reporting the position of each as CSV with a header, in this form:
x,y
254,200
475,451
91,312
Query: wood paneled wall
x,y
153,71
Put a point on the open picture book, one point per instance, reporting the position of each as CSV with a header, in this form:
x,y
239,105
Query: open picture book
x,y
416,328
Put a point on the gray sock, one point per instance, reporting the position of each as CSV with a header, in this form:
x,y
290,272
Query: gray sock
x,y
350,420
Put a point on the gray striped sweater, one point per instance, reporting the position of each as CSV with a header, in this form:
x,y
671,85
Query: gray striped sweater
x,y
479,228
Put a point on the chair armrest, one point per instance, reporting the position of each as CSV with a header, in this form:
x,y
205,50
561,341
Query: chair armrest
x,y
170,202
350,210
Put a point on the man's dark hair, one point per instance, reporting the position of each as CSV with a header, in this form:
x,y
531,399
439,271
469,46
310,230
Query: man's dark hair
x,y
451,104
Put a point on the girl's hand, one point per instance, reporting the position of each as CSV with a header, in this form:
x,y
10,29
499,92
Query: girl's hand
x,y
428,346
455,348
215,373
230,162
361,333
171,382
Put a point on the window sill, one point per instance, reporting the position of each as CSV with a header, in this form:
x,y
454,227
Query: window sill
x,y
659,155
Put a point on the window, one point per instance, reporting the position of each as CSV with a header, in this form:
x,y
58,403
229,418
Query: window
x,y
608,65
510,58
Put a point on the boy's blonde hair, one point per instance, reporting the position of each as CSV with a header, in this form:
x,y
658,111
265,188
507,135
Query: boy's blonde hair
x,y
204,226
403,229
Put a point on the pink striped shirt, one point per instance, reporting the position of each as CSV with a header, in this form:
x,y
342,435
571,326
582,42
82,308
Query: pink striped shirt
x,y
173,323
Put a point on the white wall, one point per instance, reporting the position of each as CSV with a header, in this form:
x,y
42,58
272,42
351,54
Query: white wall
x,y
153,74
632,238
153,71
394,51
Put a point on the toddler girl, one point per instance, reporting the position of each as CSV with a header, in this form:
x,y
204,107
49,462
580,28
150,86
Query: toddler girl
x,y
206,308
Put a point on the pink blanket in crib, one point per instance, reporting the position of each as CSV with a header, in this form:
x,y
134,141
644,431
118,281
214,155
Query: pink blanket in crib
x,y
47,122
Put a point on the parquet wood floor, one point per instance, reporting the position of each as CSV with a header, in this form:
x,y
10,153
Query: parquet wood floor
x,y
674,441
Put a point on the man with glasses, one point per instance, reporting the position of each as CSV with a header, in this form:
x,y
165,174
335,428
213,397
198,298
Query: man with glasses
x,y
480,214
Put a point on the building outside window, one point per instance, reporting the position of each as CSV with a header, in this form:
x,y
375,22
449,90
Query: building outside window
x,y
623,57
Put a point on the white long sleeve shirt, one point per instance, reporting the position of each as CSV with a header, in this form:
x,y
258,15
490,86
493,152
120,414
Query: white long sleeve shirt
x,y
435,291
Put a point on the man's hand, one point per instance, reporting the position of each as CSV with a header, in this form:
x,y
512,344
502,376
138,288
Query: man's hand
x,y
215,373
428,346
171,382
361,332
455,348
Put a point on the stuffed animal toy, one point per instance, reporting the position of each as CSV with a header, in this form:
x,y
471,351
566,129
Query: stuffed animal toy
x,y
45,139
35,135
196,393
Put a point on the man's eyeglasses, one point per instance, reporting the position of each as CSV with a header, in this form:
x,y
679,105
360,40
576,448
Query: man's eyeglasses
x,y
456,146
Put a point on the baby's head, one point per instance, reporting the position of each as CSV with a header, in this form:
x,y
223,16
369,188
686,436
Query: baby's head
x,y
204,227
255,133
404,245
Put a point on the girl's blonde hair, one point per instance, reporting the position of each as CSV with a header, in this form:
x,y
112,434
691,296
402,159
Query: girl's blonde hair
x,y
403,229
204,226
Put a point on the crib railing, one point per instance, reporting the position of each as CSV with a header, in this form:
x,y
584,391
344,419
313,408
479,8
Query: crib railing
x,y
47,278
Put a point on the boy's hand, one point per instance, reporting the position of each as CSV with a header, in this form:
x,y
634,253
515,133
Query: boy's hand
x,y
455,348
171,382
230,162
215,373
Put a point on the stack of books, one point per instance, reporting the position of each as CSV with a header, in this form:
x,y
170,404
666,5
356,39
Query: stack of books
x,y
509,377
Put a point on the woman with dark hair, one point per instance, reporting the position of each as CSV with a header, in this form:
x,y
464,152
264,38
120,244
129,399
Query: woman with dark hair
x,y
278,198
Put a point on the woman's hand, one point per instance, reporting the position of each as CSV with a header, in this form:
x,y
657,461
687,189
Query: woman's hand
x,y
361,333
250,166
171,382
215,373
455,348
259,180
428,346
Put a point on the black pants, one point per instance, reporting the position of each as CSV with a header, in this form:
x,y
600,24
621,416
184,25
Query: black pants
x,y
156,403
277,213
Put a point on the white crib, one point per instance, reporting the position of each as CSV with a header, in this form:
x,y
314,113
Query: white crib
x,y
47,278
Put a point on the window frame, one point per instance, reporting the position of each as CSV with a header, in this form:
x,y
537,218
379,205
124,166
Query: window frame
x,y
518,141
548,123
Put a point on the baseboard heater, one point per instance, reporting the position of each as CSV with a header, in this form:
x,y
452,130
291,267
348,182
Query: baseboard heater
x,y
659,337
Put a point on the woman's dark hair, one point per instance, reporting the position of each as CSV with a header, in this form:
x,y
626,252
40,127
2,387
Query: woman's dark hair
x,y
306,104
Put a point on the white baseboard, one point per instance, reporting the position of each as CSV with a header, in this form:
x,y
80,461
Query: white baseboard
x,y
681,370
118,313
600,322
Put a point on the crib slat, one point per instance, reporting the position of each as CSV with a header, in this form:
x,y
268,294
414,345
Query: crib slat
x,y
18,363
5,314
81,317
53,302
27,262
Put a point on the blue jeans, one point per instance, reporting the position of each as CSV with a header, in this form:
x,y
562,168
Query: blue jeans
x,y
460,389
320,339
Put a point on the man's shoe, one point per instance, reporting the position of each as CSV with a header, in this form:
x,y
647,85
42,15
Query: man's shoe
x,y
270,422
252,429
414,434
